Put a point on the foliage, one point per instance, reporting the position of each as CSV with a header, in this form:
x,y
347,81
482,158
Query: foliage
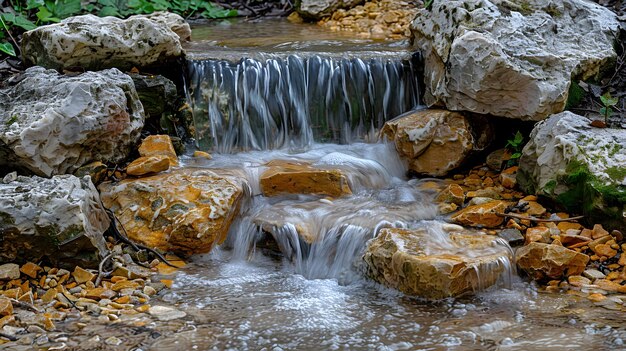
x,y
515,146
24,15
608,102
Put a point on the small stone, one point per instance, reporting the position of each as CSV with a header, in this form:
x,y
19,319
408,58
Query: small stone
x,y
100,293
578,280
148,290
445,208
164,313
113,341
82,276
30,269
617,235
453,193
148,165
124,284
599,232
202,154
593,274
512,236
49,295
484,215
534,208
564,226
6,307
595,297
508,181
159,145
9,271
538,234
605,250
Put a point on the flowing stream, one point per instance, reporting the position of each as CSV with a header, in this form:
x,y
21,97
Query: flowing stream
x,y
290,275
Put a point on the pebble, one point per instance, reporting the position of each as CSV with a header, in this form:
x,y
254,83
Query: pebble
x,y
113,341
9,271
593,274
164,313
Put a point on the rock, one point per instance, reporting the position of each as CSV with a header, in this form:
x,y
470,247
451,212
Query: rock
x,y
9,271
60,218
316,9
286,177
580,167
159,145
435,141
186,211
164,313
94,43
148,164
6,307
174,22
512,236
593,274
82,276
202,154
53,124
417,262
96,170
31,269
598,232
483,215
164,108
496,160
578,281
538,234
542,261
511,58
453,194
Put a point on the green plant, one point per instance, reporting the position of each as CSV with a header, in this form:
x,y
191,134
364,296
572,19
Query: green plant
x,y
515,146
608,102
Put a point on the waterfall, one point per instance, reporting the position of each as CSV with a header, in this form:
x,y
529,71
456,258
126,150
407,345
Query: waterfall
x,y
292,101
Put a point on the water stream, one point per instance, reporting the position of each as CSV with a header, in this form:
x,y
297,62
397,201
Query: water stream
x,y
290,275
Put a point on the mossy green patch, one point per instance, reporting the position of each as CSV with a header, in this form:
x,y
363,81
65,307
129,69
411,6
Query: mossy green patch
x,y
575,96
11,120
616,173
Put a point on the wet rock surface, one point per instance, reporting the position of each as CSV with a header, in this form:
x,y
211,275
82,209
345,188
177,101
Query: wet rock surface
x,y
187,211
434,141
284,177
60,220
94,43
580,167
53,124
316,9
418,262
513,59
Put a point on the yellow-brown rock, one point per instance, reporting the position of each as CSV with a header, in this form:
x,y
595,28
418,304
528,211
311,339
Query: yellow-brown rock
x,y
30,269
434,141
159,145
82,276
285,177
148,164
538,234
186,211
542,261
409,261
6,307
202,154
453,194
483,215
604,250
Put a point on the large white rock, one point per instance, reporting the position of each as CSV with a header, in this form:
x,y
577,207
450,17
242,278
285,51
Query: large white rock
x,y
60,218
511,58
53,124
317,9
581,167
94,43
436,262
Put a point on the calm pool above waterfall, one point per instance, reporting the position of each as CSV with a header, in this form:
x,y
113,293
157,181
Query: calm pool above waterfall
x,y
279,91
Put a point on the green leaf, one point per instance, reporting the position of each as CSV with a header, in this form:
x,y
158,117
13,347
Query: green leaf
x,y
18,20
607,100
516,155
109,11
7,48
67,8
45,15
518,138
33,4
606,111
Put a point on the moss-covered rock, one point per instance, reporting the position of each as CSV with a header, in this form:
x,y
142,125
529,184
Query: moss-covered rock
x,y
580,167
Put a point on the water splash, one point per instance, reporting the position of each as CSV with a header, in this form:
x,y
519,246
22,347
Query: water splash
x,y
290,101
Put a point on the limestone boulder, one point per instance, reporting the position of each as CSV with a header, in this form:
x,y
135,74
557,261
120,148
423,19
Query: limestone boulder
x,y
53,124
580,167
436,141
286,177
316,9
58,219
186,211
511,58
94,43
546,261
173,21
435,265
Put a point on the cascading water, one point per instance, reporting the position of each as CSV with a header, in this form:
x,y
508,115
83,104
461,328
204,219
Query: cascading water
x,y
291,101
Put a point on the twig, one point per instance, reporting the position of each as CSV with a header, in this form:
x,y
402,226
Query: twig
x,y
25,305
70,301
535,219
101,267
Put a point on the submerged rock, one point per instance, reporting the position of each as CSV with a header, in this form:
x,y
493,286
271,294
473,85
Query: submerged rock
x,y
435,141
420,262
543,261
187,211
53,124
285,177
316,9
60,219
511,58
580,167
94,43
